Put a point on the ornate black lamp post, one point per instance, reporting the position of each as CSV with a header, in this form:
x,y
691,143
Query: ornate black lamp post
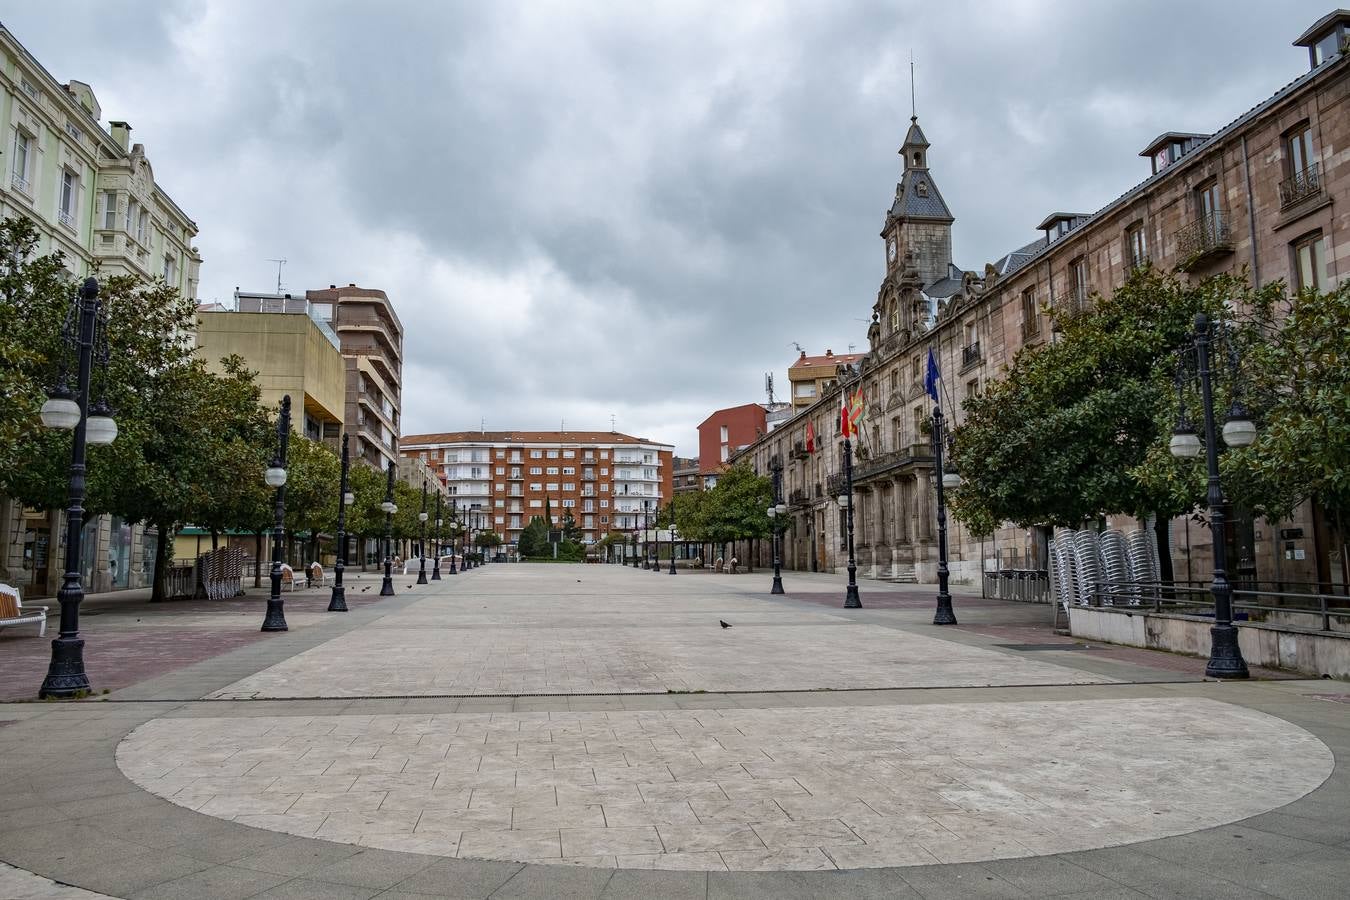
x,y
436,542
422,538
70,410
777,512
275,620
338,601
943,615
646,550
1225,655
389,507
851,598
656,538
635,540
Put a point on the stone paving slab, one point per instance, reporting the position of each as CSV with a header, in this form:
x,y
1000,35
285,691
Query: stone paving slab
x,y
738,790
16,884
503,638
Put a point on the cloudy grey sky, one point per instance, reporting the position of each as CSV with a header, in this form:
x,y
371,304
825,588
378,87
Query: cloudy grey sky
x,y
633,209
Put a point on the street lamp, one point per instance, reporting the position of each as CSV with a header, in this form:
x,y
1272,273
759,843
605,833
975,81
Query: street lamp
x,y
673,533
635,539
275,476
65,410
646,553
338,601
454,536
851,598
436,542
1225,655
389,507
422,537
943,615
776,511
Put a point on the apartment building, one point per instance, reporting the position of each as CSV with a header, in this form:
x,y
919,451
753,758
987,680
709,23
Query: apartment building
x,y
686,478
290,342
90,190
811,377
93,196
371,339
607,480
1268,192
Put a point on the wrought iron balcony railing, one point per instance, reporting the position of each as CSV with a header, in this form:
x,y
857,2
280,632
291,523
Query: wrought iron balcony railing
x,y
1301,185
1205,237
970,354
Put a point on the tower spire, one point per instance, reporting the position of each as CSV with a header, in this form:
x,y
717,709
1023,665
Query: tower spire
x,y
913,112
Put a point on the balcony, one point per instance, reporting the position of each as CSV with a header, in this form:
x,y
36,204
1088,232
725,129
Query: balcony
x,y
798,451
797,497
21,185
1301,185
1204,239
970,354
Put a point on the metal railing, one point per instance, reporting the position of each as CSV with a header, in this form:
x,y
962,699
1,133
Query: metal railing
x,y
1024,585
21,184
1187,598
1301,185
970,354
1207,234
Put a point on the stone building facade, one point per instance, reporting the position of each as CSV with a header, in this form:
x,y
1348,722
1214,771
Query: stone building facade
x,y
1269,192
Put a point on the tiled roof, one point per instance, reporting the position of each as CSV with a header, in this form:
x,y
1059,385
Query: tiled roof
x,y
917,197
831,360
1011,262
522,437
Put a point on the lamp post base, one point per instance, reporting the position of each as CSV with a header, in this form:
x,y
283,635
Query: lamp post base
x,y
387,588
436,572
275,620
777,585
851,598
944,614
422,576
338,602
1225,656
65,675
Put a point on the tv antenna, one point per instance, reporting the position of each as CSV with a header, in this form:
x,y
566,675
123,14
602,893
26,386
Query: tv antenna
x,y
798,346
768,386
280,263
612,426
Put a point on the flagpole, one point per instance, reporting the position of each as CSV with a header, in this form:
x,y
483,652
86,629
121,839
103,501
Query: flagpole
x,y
944,614
851,598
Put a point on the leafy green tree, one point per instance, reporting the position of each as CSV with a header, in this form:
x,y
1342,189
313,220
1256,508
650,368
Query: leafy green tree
x,y
533,540
735,508
571,531
1059,439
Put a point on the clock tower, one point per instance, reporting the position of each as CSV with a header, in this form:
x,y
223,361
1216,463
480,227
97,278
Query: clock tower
x,y
918,225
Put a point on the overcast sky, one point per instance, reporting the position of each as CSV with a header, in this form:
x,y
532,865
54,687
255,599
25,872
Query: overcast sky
x,y
633,209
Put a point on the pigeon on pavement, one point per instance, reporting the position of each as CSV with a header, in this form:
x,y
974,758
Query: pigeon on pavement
x,y
723,624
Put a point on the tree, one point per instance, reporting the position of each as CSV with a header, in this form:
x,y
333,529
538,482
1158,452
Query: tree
x,y
571,531
1058,441
314,474
533,539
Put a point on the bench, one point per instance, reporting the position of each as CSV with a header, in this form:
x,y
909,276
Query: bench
x,y
316,576
288,577
12,611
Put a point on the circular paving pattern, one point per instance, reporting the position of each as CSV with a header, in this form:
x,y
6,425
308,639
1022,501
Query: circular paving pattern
x,y
718,789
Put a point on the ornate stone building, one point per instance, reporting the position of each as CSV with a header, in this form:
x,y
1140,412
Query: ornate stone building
x,y
1269,192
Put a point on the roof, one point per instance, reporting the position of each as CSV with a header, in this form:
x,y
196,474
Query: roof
x,y
1217,137
1321,26
1011,262
1054,217
830,359
917,197
731,409
523,437
946,287
914,137
1168,137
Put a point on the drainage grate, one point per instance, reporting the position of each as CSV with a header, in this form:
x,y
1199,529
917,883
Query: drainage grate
x,y
1044,646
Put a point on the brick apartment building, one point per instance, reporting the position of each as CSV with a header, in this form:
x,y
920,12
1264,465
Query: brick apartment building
x,y
1269,191
606,479
725,433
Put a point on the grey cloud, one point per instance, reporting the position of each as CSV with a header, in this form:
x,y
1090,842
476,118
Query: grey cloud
x,y
671,193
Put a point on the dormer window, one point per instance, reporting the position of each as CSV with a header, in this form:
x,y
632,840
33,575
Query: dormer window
x,y
1326,38
921,189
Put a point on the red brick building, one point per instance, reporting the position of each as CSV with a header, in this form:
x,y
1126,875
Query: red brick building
x,y
604,478
723,433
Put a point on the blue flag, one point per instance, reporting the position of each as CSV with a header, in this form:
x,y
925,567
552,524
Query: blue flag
x,y
930,380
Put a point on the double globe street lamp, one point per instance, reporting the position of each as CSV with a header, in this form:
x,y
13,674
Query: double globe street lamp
x,y
85,333
436,542
1225,656
275,477
422,538
777,513
944,614
338,601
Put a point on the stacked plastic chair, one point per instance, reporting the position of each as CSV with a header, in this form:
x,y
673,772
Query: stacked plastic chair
x,y
1114,551
1144,568
1088,562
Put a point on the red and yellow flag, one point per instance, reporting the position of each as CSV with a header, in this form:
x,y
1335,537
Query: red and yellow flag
x,y
810,437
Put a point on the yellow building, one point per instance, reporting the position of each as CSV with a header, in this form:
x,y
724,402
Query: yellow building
x,y
812,377
292,348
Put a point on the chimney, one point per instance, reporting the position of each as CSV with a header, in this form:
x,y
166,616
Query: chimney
x,y
829,353
803,356
121,135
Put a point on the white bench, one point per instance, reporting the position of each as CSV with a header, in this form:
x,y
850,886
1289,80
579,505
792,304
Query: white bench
x,y
12,611
288,577
414,565
316,575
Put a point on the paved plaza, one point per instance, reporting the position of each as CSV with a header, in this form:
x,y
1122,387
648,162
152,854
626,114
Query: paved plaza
x,y
592,731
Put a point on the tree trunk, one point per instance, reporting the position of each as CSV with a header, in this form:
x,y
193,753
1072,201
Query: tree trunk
x,y
215,539
161,564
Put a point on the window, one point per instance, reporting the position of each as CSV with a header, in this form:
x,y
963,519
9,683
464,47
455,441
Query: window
x,y
500,504
536,504
569,470
170,269
551,486
536,454
501,470
499,520
803,389
604,504
130,216
1310,262
1136,246
914,369
569,485
501,454
604,488
536,486
552,470
1207,200
23,162
604,520
1326,48
1031,320
604,454
918,423
1078,282
515,471
569,504
569,454
724,434
973,387
70,188
725,453
895,381
553,454
1298,146
536,470
109,209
